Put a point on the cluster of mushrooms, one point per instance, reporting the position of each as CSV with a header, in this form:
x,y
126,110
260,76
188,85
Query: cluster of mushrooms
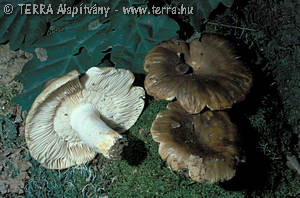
x,y
79,115
205,76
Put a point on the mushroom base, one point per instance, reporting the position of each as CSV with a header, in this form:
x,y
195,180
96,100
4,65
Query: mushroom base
x,y
116,149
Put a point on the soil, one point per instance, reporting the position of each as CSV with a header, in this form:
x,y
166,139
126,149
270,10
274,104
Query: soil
x,y
11,64
12,120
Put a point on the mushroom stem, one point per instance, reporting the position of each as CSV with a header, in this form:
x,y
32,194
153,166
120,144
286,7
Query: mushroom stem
x,y
94,132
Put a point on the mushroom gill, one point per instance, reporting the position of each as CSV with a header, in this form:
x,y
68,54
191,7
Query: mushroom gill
x,y
77,116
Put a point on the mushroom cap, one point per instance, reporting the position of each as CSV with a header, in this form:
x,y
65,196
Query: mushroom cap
x,y
199,74
205,144
49,135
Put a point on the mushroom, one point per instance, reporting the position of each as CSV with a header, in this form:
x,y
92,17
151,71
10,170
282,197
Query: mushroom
x,y
200,74
205,144
77,116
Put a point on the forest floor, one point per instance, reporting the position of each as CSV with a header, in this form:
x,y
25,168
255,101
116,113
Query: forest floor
x,y
266,121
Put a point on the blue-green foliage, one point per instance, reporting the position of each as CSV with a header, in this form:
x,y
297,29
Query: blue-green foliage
x,y
85,41
23,30
78,181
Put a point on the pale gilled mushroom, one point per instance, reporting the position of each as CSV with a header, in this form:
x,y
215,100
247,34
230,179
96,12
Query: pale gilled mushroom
x,y
205,144
77,116
199,74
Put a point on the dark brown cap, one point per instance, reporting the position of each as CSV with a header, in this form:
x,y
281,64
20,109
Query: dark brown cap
x,y
200,74
205,143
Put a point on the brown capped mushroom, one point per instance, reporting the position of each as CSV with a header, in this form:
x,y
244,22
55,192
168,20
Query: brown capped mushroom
x,y
205,144
199,74
77,116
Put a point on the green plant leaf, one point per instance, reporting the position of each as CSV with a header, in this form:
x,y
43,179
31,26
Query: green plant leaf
x,y
21,29
201,9
84,44
135,36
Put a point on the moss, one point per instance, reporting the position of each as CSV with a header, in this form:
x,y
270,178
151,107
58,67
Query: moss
x,y
150,177
265,33
79,181
141,173
268,123
9,135
7,92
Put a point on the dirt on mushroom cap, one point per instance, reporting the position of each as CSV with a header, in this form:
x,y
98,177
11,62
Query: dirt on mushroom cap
x,y
207,74
206,144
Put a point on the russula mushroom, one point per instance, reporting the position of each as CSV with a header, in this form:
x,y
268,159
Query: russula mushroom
x,y
199,74
77,116
204,144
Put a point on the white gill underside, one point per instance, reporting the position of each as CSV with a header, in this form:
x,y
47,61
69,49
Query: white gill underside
x,y
53,141
118,104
